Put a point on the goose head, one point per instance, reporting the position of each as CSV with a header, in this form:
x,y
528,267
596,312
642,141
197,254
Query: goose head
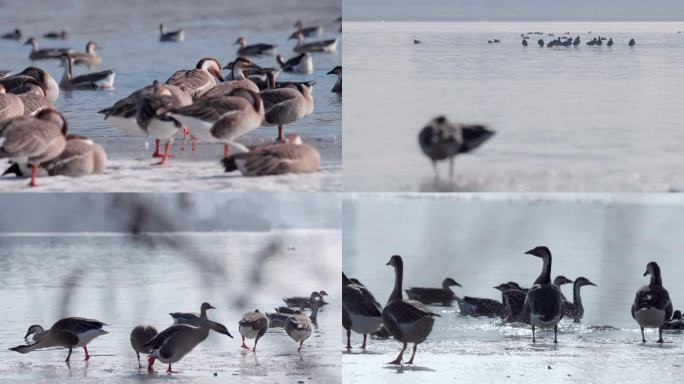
x,y
35,328
395,261
91,47
210,65
206,306
55,117
560,280
31,41
240,41
503,287
540,251
335,71
296,36
582,281
652,268
449,282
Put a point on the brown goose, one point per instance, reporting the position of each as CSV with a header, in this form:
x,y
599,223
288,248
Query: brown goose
x,y
237,79
174,36
652,305
32,141
326,46
292,156
363,312
32,95
95,80
45,53
292,102
299,325
122,115
10,105
70,332
254,49
89,57
48,83
196,82
253,325
305,301
337,88
408,321
140,337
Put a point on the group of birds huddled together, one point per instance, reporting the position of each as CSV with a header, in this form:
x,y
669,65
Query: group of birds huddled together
x,y
199,102
542,306
575,42
187,331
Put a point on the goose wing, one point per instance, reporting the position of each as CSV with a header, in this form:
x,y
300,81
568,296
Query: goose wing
x,y
279,159
27,137
211,109
356,302
90,78
254,320
474,136
75,160
193,81
272,97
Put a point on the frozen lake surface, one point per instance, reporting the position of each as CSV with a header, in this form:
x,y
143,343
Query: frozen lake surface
x,y
480,240
123,282
592,119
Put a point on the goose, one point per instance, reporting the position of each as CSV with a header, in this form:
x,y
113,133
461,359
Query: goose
x,y
151,113
477,306
252,71
61,35
566,43
592,41
191,318
408,321
33,96
95,80
524,43
313,31
254,49
540,42
599,42
325,46
299,325
235,80
363,312
10,105
442,295
302,63
576,42
514,303
442,140
48,83
14,35
632,42
561,280
288,104
89,57
222,119
140,337
32,141
45,53
575,310
197,81
305,302
81,156
291,156
416,41
175,36
337,88
610,42
676,323
176,341
544,301
652,305
122,115
70,332
253,325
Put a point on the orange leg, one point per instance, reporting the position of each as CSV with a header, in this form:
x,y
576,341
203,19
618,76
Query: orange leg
x,y
280,134
194,144
226,151
166,155
87,355
157,151
244,346
34,172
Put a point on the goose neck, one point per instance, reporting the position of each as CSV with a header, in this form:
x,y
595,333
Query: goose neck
x,y
398,280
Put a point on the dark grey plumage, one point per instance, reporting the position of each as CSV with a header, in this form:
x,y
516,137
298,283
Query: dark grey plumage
x,y
652,305
544,301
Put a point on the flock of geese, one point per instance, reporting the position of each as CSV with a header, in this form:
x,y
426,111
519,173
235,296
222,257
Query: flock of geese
x,y
542,306
187,331
199,102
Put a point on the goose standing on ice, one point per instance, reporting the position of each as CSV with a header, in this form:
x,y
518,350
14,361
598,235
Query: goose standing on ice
x,y
443,140
363,312
313,31
544,301
254,49
70,332
408,321
171,36
442,295
325,46
337,88
575,310
45,53
652,305
302,63
285,105
140,337
253,325
89,57
95,80
299,325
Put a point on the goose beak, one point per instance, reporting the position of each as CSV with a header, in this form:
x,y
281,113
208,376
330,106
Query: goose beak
x,y
211,307
530,252
590,283
647,272
332,72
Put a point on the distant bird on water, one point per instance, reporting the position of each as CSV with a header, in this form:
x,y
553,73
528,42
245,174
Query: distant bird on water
x,y
632,42
541,43
524,43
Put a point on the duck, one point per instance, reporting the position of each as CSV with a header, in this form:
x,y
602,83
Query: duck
x,y
69,332
408,321
632,42
191,318
285,105
363,312
325,46
676,322
140,337
152,113
313,31
290,156
253,325
544,301
302,63
176,36
337,88
442,295
652,305
254,49
18,81
10,105
305,302
176,341
14,35
514,303
61,35
89,57
443,140
222,118
199,80
95,80
574,309
32,141
45,53
610,42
